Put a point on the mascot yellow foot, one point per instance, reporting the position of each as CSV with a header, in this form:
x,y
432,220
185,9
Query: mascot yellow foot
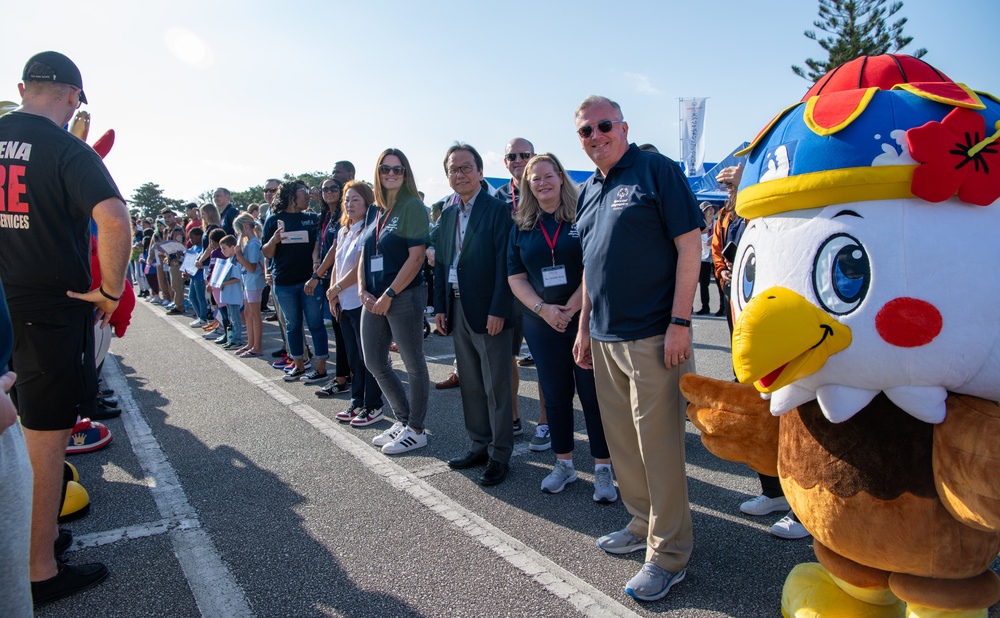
x,y
76,501
812,592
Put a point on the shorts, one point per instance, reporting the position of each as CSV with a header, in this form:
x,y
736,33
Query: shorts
x,y
252,296
54,360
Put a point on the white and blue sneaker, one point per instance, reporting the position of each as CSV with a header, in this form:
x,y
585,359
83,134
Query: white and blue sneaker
x,y
560,476
652,583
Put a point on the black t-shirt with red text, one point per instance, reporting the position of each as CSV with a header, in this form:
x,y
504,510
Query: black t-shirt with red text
x,y
50,182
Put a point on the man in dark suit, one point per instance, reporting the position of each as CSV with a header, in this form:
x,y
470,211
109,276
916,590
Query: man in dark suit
x,y
473,301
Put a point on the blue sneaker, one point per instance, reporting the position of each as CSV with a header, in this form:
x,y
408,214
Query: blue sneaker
x,y
652,583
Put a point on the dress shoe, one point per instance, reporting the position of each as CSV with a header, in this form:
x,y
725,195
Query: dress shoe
x,y
702,311
469,460
494,474
68,581
450,382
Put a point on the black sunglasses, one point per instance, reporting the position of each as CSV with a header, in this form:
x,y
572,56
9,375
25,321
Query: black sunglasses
x,y
512,156
395,169
330,189
603,126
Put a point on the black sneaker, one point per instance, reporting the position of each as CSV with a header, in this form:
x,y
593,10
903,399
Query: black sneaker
x,y
279,353
68,581
314,376
367,416
334,388
518,430
294,375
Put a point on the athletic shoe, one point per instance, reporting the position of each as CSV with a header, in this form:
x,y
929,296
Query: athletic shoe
x,y
168,305
294,374
557,480
334,388
223,338
232,346
314,376
407,440
621,542
281,363
518,430
541,441
291,365
788,528
604,486
69,580
156,301
197,323
652,583
88,436
388,435
526,361
368,416
762,505
349,414
280,353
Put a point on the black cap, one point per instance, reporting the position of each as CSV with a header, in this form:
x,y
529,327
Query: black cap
x,y
50,66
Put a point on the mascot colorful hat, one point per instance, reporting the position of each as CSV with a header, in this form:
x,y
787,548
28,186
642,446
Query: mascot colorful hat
x,y
872,340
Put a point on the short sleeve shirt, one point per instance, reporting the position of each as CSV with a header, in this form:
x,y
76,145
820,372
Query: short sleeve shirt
x,y
529,252
252,253
292,263
51,181
628,223
391,235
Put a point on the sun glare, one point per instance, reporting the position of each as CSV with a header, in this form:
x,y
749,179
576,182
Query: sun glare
x,y
187,47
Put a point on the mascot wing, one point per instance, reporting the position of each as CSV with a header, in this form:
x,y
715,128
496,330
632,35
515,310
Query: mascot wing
x,y
735,423
966,461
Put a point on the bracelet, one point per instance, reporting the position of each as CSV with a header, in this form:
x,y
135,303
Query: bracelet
x,y
680,322
108,296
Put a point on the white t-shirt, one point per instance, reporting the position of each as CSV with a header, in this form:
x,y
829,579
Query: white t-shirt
x,y
348,249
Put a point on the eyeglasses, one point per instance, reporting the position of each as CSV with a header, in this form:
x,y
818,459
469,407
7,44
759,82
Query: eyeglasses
x,y
270,190
603,126
302,190
464,169
330,190
512,156
393,169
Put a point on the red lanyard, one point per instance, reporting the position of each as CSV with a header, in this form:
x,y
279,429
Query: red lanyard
x,y
379,228
551,241
513,197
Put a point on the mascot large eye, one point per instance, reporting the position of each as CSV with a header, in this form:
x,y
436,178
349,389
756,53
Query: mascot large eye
x,y
747,275
841,274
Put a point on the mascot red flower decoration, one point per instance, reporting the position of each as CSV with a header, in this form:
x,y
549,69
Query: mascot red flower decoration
x,y
956,155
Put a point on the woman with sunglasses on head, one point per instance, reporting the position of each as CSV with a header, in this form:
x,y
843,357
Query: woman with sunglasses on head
x,y
291,240
545,268
330,217
394,295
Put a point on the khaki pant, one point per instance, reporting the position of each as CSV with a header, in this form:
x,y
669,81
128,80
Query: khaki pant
x,y
643,413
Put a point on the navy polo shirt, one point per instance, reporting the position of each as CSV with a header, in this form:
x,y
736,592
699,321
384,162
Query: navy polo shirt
x,y
391,235
628,223
292,263
529,252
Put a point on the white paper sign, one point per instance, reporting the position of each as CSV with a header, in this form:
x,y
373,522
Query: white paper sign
x,y
220,272
295,238
188,265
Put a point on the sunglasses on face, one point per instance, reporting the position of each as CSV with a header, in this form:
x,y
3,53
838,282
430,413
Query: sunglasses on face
x,y
603,126
270,190
512,156
391,169
330,189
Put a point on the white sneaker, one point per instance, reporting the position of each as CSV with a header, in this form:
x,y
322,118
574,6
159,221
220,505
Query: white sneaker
x,y
560,476
198,322
762,505
389,434
604,486
407,440
788,528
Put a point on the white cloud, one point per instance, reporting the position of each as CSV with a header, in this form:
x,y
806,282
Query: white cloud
x,y
188,47
641,83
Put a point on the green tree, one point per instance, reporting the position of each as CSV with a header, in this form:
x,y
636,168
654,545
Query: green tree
x,y
856,28
148,200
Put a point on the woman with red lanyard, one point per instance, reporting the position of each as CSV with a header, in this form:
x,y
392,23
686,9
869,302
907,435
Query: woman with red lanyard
x,y
545,267
394,295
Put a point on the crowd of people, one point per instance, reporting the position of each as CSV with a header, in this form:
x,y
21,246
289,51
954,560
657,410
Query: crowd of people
x,y
598,279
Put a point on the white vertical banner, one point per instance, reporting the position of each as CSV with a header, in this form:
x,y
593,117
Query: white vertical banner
x,y
693,135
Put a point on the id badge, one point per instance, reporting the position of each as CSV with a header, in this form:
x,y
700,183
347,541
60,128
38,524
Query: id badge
x,y
376,263
553,276
453,274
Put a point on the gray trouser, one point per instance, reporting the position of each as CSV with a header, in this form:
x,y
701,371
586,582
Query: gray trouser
x,y
485,369
15,523
404,324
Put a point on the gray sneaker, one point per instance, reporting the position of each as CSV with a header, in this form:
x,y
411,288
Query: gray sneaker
x,y
652,583
541,441
557,480
621,542
604,486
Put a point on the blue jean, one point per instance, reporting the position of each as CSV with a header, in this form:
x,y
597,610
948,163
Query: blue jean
x,y
365,391
196,296
559,376
295,304
235,324
404,324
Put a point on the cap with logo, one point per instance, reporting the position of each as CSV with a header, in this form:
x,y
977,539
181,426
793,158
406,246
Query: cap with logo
x,y
50,66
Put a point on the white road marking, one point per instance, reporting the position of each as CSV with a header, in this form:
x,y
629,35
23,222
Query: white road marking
x,y
138,531
213,586
557,581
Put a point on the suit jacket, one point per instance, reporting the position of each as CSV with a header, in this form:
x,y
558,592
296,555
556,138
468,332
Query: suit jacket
x,y
482,267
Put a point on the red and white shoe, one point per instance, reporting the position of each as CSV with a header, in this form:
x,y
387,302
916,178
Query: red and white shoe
x,y
88,436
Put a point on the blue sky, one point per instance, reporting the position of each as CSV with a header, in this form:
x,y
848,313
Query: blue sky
x,y
203,94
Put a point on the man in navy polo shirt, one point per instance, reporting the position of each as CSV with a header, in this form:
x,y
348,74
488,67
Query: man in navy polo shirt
x,y
641,233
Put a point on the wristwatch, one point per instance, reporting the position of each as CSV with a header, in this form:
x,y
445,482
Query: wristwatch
x,y
538,307
680,321
315,276
390,293
337,287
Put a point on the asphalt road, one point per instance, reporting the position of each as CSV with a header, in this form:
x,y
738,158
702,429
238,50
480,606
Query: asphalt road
x,y
228,492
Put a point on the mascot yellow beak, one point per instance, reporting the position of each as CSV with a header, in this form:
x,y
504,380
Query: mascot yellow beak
x,y
780,337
